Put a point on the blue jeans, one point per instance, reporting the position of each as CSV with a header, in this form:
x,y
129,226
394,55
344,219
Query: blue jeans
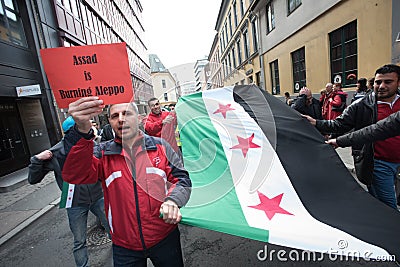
x,y
77,217
382,186
166,253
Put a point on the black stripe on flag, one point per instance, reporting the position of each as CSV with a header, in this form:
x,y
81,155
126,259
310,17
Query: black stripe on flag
x,y
323,183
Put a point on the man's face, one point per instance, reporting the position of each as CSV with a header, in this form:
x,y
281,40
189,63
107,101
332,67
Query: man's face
x,y
336,87
328,88
124,121
155,107
386,85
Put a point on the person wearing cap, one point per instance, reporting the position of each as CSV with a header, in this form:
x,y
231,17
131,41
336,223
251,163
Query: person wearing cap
x,y
77,199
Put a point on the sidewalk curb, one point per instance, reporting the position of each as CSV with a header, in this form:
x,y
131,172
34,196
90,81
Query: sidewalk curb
x,y
28,221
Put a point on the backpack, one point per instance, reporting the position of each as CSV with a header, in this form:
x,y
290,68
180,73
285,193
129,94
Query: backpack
x,y
342,106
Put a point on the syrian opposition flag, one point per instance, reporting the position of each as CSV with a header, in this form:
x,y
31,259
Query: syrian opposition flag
x,y
67,195
261,171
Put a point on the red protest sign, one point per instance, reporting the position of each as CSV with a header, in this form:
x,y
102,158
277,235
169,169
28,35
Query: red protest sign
x,y
93,70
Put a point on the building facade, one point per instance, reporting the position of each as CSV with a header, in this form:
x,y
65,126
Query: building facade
x,y
165,87
309,43
237,29
29,118
215,66
199,74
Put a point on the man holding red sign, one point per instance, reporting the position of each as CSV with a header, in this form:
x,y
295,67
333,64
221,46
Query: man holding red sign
x,y
142,177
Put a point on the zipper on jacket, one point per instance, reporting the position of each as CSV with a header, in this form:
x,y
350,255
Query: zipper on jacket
x,y
137,208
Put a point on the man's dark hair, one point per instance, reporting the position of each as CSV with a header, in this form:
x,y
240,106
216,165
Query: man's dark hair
x,y
151,99
371,81
389,68
172,105
363,84
287,94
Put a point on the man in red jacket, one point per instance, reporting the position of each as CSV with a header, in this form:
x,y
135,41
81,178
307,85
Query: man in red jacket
x,y
161,123
142,177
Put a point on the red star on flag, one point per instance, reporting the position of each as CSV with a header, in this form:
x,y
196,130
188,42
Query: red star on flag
x,y
270,205
223,109
245,144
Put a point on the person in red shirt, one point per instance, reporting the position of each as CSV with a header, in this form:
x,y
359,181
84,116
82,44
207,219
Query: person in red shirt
x,y
325,100
337,102
161,123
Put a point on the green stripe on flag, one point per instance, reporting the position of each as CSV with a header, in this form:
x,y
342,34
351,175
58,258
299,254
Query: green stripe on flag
x,y
213,203
64,195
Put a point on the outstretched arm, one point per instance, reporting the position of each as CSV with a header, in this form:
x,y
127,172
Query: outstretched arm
x,y
383,129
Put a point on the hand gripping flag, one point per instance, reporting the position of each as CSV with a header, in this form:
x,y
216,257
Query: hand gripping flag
x,y
261,171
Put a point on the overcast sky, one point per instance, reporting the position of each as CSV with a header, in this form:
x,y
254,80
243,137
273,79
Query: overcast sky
x,y
179,31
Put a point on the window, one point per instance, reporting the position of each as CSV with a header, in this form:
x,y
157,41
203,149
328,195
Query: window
x,y
226,34
246,44
164,85
235,17
270,17
229,63
242,8
274,68
299,69
226,67
239,51
166,97
343,50
67,5
255,35
74,7
230,24
12,30
234,56
292,5
258,80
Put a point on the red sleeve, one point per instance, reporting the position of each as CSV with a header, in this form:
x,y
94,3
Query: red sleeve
x,y
336,101
153,125
80,166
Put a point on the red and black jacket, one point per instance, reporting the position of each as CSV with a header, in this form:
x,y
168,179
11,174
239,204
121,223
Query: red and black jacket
x,y
135,184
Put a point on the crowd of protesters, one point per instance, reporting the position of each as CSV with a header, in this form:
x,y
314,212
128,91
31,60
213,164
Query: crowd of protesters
x,y
147,147
376,106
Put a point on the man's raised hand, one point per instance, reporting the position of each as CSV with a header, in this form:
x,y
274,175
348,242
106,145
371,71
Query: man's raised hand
x,y
83,109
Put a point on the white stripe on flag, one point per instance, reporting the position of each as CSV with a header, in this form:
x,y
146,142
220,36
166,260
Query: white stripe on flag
x,y
297,229
70,196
